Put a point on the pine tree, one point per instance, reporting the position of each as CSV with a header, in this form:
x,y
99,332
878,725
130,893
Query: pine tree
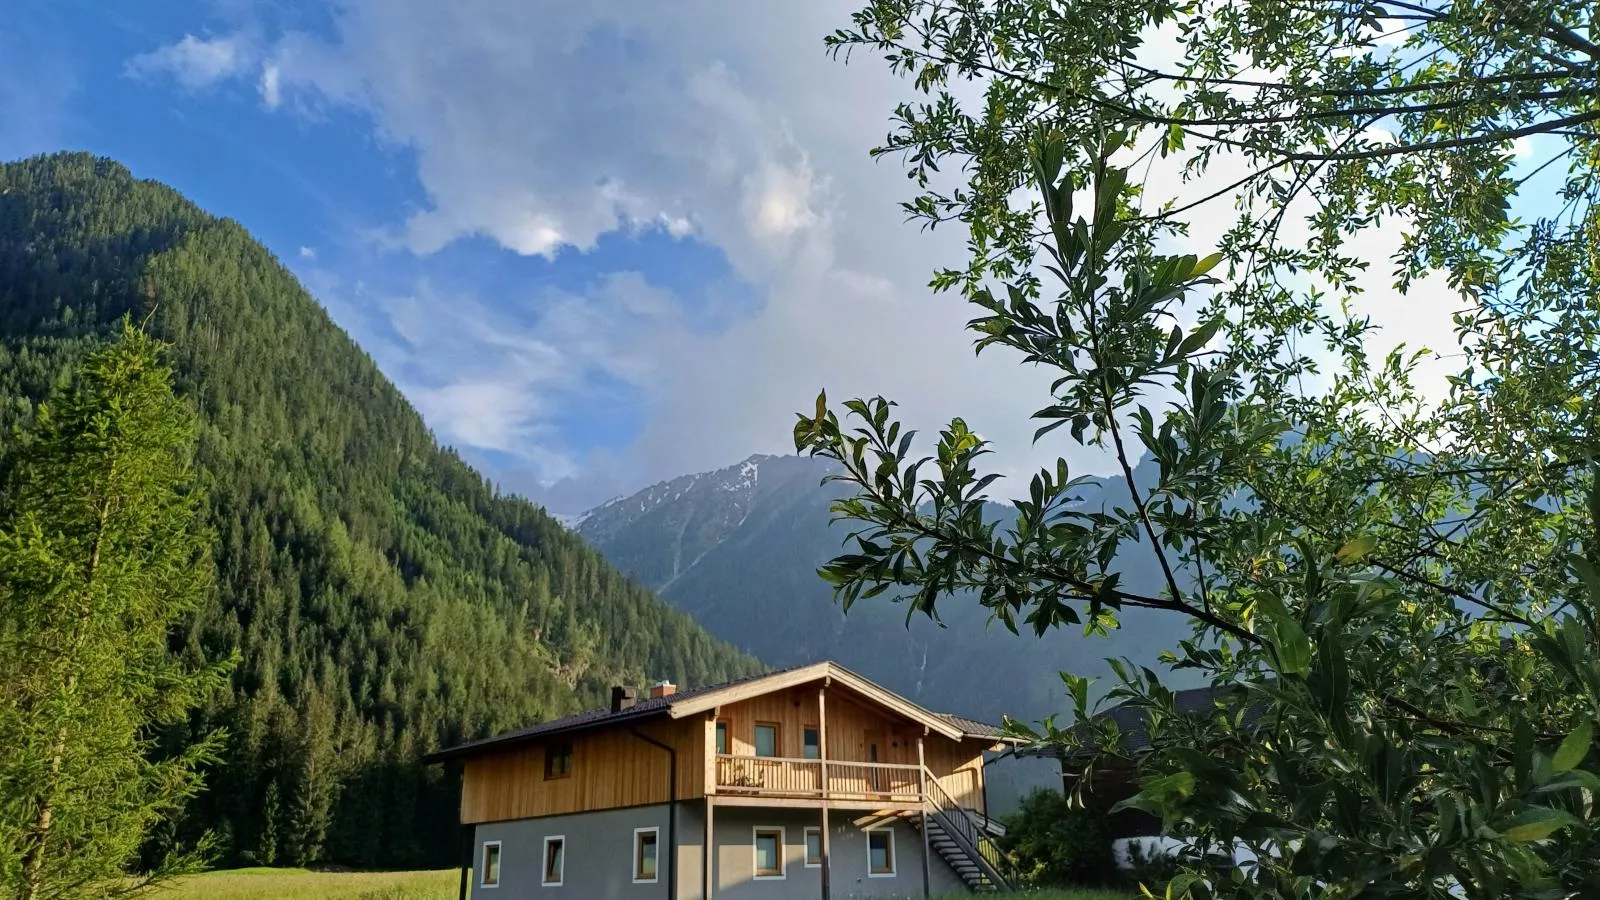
x,y
100,556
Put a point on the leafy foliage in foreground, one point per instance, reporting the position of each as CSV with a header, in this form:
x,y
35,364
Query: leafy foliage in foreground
x,y
383,598
1407,587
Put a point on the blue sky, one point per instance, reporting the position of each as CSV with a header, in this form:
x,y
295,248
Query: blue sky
x,y
597,245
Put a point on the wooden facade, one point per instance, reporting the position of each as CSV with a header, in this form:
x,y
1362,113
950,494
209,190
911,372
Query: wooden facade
x,y
872,759
611,768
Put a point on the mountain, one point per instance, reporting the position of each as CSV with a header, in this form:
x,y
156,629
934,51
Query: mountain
x,y
383,598
738,549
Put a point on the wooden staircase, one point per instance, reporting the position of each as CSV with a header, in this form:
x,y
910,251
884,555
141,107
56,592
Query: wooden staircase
x,y
957,858
964,838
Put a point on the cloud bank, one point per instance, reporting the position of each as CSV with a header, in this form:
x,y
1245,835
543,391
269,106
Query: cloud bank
x,y
542,126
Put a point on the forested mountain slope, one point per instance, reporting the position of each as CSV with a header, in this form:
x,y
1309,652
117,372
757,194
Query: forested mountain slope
x,y
739,549
383,598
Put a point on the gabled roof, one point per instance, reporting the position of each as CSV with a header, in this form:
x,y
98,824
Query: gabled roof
x,y
700,700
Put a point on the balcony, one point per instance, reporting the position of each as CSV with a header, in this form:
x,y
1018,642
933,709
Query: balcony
x,y
849,783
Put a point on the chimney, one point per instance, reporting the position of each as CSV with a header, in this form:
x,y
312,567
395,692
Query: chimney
x,y
623,698
664,689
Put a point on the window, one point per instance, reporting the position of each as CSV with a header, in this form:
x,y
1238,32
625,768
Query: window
x,y
555,859
489,875
644,855
880,853
813,847
812,748
769,852
766,739
722,737
558,761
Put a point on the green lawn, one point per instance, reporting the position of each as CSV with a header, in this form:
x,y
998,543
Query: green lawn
x,y
1079,894
299,884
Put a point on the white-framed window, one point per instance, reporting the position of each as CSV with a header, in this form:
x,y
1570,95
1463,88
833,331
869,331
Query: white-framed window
x,y
489,871
767,844
813,846
880,853
645,855
555,860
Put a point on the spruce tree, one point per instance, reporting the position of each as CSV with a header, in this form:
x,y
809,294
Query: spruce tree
x,y
100,556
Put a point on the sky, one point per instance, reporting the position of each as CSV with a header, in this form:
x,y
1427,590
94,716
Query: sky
x,y
597,245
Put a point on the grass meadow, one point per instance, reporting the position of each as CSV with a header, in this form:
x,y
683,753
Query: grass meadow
x,y
302,884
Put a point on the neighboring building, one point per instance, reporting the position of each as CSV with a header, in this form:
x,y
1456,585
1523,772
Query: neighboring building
x,y
1112,782
810,782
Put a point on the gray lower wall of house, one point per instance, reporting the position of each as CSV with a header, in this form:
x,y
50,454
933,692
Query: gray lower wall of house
x,y
847,849
599,857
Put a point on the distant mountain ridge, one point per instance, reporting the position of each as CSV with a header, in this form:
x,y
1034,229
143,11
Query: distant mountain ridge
x,y
738,549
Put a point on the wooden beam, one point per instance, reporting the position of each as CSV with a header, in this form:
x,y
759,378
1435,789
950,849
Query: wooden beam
x,y
908,804
822,755
922,782
708,867
709,739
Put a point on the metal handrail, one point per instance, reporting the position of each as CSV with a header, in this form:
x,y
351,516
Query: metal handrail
x,y
962,826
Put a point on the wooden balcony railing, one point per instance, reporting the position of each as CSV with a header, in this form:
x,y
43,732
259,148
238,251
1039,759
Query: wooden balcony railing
x,y
774,776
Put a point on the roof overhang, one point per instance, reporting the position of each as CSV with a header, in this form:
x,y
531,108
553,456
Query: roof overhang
x,y
504,742
707,701
835,674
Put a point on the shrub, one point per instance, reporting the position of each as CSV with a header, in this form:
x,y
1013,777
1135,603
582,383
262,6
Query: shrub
x,y
1057,844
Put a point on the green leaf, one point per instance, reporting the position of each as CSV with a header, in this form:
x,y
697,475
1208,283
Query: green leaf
x,y
1573,750
1176,785
1205,265
1536,824
1288,637
1356,549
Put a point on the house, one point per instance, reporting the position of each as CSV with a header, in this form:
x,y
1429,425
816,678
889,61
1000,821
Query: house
x,y
1114,780
808,782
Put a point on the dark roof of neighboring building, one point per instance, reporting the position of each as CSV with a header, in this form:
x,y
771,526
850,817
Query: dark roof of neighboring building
x,y
647,707
1132,724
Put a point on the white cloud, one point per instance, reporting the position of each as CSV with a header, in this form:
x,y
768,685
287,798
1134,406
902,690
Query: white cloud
x,y
270,92
308,253
677,226
196,62
544,125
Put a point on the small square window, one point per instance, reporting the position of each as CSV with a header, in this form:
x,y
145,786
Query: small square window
x,y
558,761
812,746
490,875
722,738
880,853
769,852
555,859
644,855
813,847
766,739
